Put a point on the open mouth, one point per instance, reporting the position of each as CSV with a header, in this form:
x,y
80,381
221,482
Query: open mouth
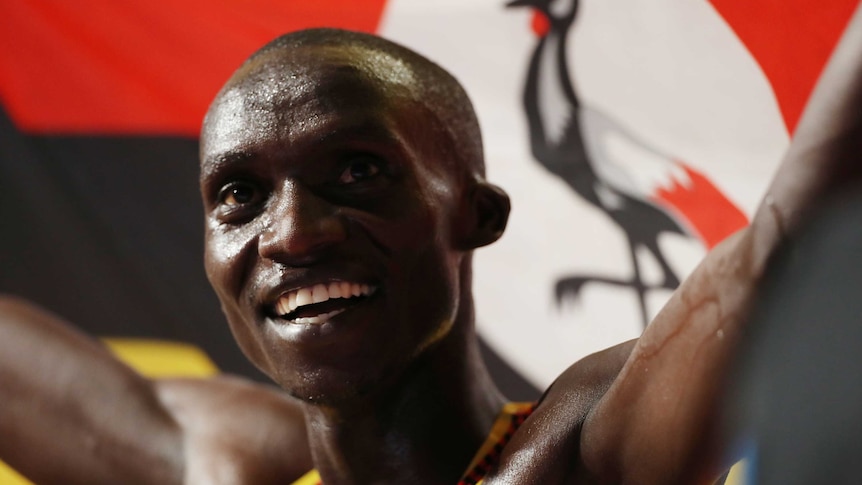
x,y
317,304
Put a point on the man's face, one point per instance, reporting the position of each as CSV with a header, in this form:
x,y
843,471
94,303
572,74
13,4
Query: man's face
x,y
328,221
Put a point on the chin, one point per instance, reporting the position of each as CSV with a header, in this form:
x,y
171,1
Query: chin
x,y
348,384
331,389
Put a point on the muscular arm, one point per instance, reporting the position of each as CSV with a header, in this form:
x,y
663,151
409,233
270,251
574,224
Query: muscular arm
x,y
72,413
237,431
650,426
542,449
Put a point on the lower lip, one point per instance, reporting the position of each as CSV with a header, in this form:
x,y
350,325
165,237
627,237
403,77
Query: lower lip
x,y
314,327
317,319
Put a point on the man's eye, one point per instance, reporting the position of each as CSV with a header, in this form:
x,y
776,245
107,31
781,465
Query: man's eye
x,y
238,193
359,169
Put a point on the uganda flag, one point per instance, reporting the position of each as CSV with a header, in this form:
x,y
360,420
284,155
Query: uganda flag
x,y
684,110
102,103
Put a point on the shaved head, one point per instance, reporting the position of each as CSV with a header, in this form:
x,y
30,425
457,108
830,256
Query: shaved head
x,y
396,70
333,156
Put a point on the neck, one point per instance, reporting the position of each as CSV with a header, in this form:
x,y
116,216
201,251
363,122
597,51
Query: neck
x,y
425,428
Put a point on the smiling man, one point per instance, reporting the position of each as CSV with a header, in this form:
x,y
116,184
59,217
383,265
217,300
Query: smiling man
x,y
343,189
344,192
341,209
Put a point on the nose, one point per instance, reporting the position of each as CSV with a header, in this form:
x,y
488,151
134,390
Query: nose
x,y
301,227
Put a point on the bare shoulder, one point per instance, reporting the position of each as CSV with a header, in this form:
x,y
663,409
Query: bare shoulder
x,y
237,431
609,414
98,421
652,423
546,448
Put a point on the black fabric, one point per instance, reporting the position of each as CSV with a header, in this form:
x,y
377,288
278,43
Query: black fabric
x,y
107,231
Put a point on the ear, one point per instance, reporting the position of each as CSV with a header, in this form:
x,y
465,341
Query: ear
x,y
483,216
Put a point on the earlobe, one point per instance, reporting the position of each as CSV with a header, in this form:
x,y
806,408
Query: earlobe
x,y
486,212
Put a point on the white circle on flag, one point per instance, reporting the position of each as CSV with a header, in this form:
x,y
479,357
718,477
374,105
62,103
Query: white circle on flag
x,y
672,74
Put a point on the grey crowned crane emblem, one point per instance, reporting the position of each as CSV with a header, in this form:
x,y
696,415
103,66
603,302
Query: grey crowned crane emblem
x,y
643,191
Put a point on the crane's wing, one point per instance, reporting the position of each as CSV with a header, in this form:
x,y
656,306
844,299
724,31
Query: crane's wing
x,y
627,165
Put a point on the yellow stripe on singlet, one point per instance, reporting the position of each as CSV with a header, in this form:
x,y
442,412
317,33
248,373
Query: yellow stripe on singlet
x,y
500,427
310,478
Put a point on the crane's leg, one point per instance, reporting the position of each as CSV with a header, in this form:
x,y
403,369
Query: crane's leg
x,y
670,280
638,283
570,287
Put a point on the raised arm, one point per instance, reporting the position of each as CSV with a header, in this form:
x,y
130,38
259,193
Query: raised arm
x,y
71,413
651,424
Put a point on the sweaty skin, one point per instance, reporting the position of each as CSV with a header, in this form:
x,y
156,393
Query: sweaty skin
x,y
73,414
344,192
317,171
654,423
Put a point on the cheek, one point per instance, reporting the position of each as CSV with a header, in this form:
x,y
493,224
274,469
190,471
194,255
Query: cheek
x,y
228,258
416,216
423,271
427,300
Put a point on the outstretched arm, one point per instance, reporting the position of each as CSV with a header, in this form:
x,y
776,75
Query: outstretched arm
x,y
72,413
651,424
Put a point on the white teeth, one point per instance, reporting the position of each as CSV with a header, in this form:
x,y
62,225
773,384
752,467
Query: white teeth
x,y
303,297
319,293
335,290
282,307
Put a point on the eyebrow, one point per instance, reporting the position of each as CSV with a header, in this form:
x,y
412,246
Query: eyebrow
x,y
373,130
214,165
358,131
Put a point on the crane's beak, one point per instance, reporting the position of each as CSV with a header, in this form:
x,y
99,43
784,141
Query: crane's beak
x,y
541,17
522,3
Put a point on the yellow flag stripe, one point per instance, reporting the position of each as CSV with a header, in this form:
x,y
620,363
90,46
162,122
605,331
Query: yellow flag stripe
x,y
152,358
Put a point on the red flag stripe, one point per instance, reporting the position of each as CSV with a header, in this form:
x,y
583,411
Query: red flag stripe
x,y
138,66
791,40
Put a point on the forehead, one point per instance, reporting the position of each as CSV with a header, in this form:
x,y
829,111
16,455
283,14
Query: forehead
x,y
284,95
